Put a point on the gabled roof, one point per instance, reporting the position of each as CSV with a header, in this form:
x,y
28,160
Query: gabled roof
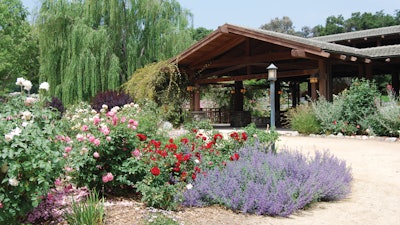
x,y
243,53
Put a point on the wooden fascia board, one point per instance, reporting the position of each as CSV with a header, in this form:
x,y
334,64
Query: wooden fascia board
x,y
215,52
283,74
197,46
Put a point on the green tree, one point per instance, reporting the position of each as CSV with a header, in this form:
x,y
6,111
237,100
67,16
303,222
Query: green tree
x,y
18,45
284,25
200,32
96,45
357,21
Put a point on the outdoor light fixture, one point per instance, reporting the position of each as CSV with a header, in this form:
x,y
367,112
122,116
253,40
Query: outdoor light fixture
x,y
272,72
243,90
313,79
189,88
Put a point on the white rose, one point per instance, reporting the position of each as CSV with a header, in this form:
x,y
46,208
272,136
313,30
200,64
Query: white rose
x,y
20,81
27,85
8,137
13,182
44,86
15,132
26,115
189,186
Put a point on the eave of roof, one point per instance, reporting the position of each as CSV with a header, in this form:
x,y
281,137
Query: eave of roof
x,y
359,34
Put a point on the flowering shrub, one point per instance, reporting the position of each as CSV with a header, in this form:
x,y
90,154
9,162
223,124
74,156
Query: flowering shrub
x,y
101,142
272,184
30,159
355,111
162,170
56,204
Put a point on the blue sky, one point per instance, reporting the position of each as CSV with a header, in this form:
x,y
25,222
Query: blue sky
x,y
254,13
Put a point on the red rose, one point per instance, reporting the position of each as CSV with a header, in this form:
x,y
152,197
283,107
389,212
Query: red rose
x,y
185,140
141,137
234,157
244,136
155,171
218,136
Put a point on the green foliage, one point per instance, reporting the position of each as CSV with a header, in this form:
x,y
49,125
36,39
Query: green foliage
x,y
387,120
329,114
356,111
18,45
159,219
93,46
200,33
284,25
30,156
88,212
360,101
163,83
303,120
357,21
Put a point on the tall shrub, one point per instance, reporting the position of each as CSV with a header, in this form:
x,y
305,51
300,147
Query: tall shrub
x,y
360,101
30,154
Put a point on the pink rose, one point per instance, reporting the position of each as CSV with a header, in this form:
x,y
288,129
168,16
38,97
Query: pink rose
x,y
96,120
96,142
57,182
108,138
136,153
84,128
108,177
68,149
80,137
96,155
105,130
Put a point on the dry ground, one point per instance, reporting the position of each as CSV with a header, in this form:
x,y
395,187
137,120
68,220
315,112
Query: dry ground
x,y
375,197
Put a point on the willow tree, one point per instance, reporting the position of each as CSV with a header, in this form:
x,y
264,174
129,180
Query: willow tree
x,y
162,83
89,46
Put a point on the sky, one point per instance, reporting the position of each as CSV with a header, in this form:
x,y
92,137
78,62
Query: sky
x,y
254,13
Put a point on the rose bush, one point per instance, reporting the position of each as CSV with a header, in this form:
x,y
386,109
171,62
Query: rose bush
x,y
30,158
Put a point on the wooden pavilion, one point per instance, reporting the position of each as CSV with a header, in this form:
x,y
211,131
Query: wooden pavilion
x,y
234,53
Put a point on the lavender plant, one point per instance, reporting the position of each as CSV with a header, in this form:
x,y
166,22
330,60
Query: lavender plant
x,y
272,184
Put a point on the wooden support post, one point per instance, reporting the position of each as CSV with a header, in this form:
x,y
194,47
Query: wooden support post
x,y
323,79
368,71
396,82
277,104
196,96
238,99
313,87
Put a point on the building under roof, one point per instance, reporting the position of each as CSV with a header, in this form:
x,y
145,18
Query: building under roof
x,y
234,53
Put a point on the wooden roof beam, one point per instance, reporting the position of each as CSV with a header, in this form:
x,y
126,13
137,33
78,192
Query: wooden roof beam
x,y
267,57
283,74
302,53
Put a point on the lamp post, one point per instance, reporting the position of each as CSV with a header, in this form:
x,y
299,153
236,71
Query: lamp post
x,y
272,74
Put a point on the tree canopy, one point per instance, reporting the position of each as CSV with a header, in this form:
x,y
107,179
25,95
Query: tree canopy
x,y
336,24
96,45
18,44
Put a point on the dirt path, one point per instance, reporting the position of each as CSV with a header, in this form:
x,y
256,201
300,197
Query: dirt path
x,y
375,197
